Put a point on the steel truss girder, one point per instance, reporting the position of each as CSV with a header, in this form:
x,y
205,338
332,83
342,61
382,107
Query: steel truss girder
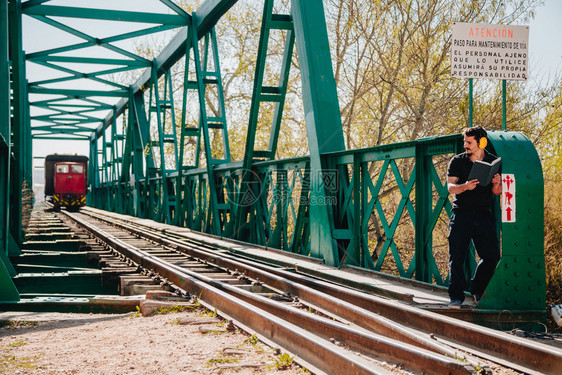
x,y
323,121
15,146
207,15
323,124
8,291
216,216
104,14
161,108
51,58
204,79
272,94
264,94
21,168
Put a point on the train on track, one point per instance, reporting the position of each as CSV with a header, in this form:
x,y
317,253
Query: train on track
x,y
66,180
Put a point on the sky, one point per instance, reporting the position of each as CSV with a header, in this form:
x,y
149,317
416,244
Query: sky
x,y
545,62
545,46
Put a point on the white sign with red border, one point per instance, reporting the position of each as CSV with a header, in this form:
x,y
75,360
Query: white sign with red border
x,y
508,198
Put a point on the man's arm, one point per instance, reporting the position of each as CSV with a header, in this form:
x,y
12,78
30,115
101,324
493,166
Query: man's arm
x,y
455,188
497,184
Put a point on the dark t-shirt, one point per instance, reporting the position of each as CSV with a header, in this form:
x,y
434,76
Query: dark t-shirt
x,y
479,199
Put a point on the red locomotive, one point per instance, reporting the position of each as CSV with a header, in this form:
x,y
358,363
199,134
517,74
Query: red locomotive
x,y
66,180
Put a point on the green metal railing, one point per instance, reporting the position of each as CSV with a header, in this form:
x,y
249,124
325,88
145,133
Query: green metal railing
x,y
368,188
391,209
390,203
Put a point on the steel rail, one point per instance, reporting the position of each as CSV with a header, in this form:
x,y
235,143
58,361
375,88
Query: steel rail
x,y
317,351
520,354
367,342
333,304
524,355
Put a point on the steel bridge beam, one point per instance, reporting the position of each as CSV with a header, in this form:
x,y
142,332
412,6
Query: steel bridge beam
x,y
8,43
519,280
207,16
323,119
108,15
21,168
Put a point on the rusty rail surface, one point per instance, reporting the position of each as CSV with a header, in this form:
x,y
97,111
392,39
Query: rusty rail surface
x,y
412,335
318,350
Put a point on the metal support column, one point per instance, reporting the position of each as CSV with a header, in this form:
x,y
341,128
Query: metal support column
x,y
132,168
519,280
323,119
161,109
8,291
423,230
21,132
216,121
264,94
93,175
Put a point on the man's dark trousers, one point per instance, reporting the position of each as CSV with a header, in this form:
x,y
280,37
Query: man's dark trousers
x,y
480,226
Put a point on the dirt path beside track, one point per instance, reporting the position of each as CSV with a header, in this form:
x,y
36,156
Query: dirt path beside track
x,y
175,343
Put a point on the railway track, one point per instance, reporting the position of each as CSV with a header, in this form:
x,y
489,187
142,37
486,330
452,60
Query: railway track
x,y
333,328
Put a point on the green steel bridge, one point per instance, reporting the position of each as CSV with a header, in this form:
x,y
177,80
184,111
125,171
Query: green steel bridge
x,y
383,208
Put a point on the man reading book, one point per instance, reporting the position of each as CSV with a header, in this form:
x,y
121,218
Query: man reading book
x,y
472,218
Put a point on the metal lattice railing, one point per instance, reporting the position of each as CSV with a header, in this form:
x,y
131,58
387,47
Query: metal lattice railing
x,y
376,195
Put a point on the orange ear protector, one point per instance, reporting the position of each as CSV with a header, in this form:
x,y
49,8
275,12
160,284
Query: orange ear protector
x,y
482,142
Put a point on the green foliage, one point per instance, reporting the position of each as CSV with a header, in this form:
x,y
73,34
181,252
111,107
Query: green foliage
x,y
209,313
222,360
462,358
16,323
27,201
282,361
547,133
549,145
553,248
395,85
253,340
172,309
479,370
214,332
136,313
17,343
12,364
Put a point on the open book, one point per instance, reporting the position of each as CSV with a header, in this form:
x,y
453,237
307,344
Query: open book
x,y
484,171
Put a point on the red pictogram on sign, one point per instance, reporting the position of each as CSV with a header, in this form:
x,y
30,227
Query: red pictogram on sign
x,y
508,181
508,212
508,197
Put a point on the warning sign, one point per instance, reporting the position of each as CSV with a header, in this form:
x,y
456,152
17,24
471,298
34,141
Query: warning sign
x,y
489,51
508,198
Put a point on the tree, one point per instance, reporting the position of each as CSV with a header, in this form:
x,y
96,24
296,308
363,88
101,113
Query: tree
x,y
392,65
